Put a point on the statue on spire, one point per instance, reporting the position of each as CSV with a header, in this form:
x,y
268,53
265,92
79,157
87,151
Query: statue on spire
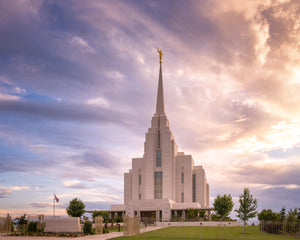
x,y
160,54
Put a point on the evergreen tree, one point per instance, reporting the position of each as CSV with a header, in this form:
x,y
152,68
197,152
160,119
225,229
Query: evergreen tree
x,y
247,208
282,214
223,205
76,208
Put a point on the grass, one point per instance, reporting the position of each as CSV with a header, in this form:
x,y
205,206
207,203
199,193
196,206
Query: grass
x,y
208,233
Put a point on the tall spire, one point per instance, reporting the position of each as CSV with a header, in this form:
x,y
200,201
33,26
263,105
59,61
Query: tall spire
x,y
160,103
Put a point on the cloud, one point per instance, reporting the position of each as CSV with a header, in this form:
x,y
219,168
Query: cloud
x,y
96,159
46,205
7,191
74,184
263,173
19,90
81,44
76,78
64,111
99,101
7,97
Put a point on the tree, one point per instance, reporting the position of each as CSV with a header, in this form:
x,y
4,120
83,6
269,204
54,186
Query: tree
x,y
104,214
282,214
268,215
21,220
292,215
76,208
247,208
21,223
223,205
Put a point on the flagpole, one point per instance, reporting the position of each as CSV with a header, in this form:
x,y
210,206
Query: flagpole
x,y
54,207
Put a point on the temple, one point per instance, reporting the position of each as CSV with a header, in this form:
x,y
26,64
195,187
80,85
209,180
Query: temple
x,y
164,182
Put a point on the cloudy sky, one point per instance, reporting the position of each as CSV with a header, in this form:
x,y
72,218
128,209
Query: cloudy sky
x,y
78,83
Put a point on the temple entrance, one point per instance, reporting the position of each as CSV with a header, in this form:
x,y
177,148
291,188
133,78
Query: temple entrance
x,y
148,217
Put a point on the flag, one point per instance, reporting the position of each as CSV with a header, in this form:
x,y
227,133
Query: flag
x,y
56,198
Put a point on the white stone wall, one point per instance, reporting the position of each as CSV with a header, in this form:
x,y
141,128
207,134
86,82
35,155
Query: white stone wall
x,y
148,167
71,224
201,189
137,167
184,164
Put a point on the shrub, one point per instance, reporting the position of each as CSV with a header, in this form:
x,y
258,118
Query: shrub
x,y
119,219
88,228
32,227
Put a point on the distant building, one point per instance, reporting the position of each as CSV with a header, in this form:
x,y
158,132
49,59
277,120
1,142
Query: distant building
x,y
164,182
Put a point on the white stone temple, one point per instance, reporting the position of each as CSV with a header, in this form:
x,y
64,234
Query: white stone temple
x,y
163,183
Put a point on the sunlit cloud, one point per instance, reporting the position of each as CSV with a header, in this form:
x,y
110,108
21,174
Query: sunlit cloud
x,y
8,97
78,90
74,184
99,101
81,44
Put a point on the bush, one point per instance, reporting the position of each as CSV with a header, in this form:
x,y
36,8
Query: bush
x,y
88,228
195,214
119,219
32,227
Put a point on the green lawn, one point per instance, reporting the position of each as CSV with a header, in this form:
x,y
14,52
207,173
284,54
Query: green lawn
x,y
208,233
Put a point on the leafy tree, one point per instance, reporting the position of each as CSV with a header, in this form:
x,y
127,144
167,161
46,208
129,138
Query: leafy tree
x,y
282,214
76,208
247,208
268,215
21,220
292,215
21,223
104,214
223,205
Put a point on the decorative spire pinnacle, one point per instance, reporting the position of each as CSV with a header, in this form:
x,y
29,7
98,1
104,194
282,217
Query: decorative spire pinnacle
x,y
160,103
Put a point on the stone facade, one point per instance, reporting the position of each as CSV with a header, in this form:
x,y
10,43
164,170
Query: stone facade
x,y
163,180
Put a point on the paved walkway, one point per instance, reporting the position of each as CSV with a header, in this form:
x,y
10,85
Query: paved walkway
x,y
90,237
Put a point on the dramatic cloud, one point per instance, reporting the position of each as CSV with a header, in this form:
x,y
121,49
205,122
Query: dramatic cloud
x,y
78,89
